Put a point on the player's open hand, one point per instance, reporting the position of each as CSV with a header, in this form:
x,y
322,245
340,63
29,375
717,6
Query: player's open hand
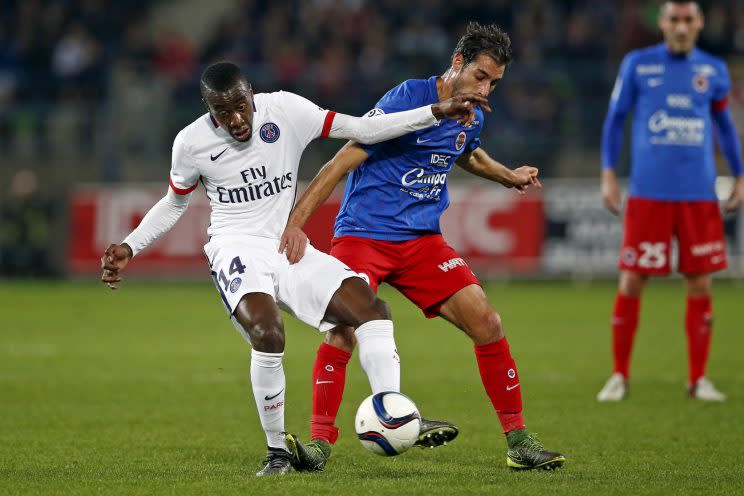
x,y
460,108
737,196
610,191
524,177
113,261
293,243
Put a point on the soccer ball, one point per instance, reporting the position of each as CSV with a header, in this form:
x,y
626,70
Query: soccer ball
x,y
387,423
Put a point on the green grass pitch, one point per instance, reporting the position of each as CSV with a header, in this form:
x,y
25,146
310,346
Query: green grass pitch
x,y
146,391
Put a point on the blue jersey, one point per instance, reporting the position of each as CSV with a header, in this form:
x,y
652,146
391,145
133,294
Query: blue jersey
x,y
673,98
400,191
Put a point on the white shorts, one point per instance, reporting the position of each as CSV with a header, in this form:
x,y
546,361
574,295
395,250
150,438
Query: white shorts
x,y
251,264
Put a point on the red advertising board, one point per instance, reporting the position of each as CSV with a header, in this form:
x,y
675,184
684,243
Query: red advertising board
x,y
494,229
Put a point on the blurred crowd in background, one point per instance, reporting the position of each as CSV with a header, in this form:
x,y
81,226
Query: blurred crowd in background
x,y
94,90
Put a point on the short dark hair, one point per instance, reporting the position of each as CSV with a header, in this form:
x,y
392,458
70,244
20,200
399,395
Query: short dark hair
x,y
489,39
220,76
681,2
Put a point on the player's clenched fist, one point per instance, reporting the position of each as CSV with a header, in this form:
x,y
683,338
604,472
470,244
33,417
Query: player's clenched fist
x,y
114,259
523,177
293,243
460,108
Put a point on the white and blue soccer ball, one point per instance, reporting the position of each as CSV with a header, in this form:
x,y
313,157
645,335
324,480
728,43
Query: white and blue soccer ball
x,y
387,423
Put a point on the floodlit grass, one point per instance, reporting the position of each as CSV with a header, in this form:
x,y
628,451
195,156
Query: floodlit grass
x,y
146,391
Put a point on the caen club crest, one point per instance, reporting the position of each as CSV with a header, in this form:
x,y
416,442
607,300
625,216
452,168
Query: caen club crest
x,y
269,132
700,83
460,140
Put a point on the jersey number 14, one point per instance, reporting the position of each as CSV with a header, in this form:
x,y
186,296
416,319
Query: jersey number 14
x,y
236,267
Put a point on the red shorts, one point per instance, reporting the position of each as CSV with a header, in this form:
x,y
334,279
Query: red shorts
x,y
650,225
426,270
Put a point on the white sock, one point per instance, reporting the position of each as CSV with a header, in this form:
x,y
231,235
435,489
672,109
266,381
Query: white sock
x,y
378,355
267,379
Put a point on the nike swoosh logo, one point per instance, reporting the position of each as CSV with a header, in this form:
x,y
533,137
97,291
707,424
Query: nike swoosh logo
x,y
215,157
419,140
267,397
323,382
509,388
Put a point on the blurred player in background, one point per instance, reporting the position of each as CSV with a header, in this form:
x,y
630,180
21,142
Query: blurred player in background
x,y
678,95
246,152
388,230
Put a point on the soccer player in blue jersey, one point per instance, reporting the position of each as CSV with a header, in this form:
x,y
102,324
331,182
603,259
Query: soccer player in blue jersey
x,y
678,96
388,231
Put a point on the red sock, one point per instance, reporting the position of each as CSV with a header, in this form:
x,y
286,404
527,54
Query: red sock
x,y
624,325
329,378
499,375
699,326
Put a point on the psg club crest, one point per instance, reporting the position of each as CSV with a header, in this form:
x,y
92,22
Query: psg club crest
x,y
460,141
700,83
269,132
235,284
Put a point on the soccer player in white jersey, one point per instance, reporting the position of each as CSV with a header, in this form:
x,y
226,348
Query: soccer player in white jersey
x,y
246,152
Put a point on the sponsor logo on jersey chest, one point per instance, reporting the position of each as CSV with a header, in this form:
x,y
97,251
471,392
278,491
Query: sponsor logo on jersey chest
x,y
269,132
700,83
679,101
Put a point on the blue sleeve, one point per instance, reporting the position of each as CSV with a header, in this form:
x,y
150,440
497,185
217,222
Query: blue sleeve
x,y
729,140
722,84
622,101
397,99
474,144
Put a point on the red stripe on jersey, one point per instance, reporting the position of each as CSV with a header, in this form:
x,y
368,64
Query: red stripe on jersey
x,y
720,105
327,124
180,191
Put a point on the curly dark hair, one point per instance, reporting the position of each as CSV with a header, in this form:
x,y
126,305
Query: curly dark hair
x,y
489,39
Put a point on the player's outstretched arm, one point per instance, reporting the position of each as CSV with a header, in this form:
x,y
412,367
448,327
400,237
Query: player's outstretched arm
x,y
294,240
159,220
481,164
388,126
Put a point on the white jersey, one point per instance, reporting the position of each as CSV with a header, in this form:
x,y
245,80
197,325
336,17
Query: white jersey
x,y
251,185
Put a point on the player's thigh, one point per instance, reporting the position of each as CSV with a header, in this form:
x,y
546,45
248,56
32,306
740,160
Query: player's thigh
x,y
432,273
373,260
240,266
702,243
469,310
648,228
307,287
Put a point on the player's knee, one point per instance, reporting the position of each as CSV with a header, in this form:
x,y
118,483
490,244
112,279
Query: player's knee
x,y
632,283
487,328
373,309
380,310
341,337
266,335
698,285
